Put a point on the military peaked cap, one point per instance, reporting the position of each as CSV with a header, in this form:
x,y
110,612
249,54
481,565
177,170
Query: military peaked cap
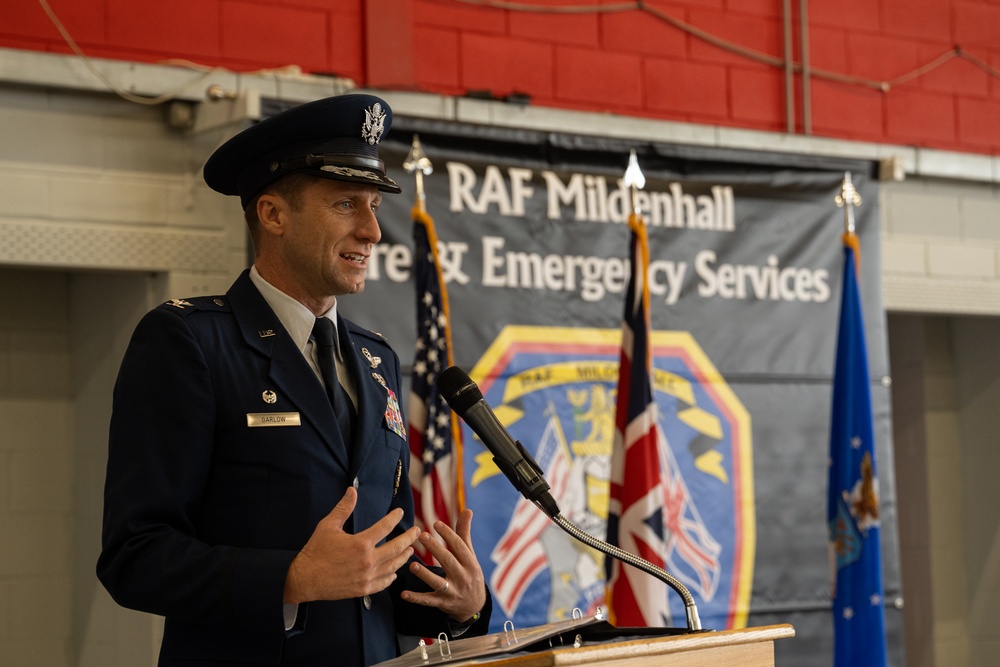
x,y
336,138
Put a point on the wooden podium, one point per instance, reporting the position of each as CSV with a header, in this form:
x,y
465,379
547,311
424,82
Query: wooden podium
x,y
750,647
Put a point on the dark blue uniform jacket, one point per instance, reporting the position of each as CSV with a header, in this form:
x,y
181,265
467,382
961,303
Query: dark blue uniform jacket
x,y
204,513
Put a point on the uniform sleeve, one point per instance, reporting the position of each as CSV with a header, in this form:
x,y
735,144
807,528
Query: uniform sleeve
x,y
159,460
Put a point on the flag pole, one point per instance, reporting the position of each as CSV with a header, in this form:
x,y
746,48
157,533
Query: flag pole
x,y
419,164
432,294
848,199
634,180
853,509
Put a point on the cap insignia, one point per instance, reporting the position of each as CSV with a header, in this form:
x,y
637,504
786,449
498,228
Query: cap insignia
x,y
374,124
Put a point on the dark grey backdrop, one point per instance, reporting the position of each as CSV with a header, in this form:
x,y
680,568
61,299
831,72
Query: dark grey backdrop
x,y
776,355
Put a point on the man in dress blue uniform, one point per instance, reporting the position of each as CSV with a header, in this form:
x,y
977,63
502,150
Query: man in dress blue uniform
x,y
257,490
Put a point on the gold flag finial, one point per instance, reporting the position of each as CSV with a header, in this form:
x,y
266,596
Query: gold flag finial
x,y
417,162
848,199
634,180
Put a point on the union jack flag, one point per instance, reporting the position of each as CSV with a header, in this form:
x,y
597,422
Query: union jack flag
x,y
434,436
636,496
651,513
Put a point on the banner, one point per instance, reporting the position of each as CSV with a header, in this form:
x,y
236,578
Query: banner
x,y
744,280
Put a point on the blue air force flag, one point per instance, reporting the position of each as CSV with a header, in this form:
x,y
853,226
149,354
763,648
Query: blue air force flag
x,y
853,507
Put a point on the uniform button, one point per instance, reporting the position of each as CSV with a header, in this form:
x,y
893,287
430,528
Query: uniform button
x,y
367,601
356,483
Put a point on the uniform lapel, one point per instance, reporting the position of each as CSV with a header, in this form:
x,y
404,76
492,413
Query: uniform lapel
x,y
288,369
371,397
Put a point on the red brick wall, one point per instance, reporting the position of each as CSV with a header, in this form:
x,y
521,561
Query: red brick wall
x,y
631,62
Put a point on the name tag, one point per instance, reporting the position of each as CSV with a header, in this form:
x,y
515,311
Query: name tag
x,y
273,419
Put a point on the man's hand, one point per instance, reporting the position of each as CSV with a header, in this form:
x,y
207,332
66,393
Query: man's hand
x,y
462,592
335,565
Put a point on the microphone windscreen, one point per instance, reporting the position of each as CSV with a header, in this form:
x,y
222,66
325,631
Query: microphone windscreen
x,y
458,389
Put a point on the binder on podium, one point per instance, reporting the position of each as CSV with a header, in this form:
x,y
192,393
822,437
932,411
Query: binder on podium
x,y
594,641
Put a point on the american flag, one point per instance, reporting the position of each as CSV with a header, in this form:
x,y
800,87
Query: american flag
x,y
518,554
434,435
852,502
636,495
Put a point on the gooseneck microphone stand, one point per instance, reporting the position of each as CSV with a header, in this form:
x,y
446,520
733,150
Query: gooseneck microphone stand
x,y
690,608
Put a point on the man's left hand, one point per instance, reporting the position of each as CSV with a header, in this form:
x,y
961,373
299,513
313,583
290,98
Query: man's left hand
x,y
461,593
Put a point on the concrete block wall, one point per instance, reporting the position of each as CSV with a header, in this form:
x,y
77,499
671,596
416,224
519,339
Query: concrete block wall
x,y
95,183
947,522
36,469
631,59
946,389
641,62
941,246
243,35
978,458
106,217
62,335
103,310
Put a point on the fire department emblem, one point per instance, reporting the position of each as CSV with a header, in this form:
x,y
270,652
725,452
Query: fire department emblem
x,y
554,389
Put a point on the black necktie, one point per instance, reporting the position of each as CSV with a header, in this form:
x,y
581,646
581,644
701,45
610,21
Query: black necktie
x,y
323,333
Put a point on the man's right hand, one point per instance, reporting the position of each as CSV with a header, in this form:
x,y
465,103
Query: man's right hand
x,y
335,565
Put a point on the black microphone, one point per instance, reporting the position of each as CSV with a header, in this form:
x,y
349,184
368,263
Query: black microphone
x,y
510,456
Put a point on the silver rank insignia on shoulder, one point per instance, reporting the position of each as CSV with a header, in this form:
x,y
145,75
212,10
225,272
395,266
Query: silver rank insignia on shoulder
x,y
374,124
179,303
269,397
374,361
